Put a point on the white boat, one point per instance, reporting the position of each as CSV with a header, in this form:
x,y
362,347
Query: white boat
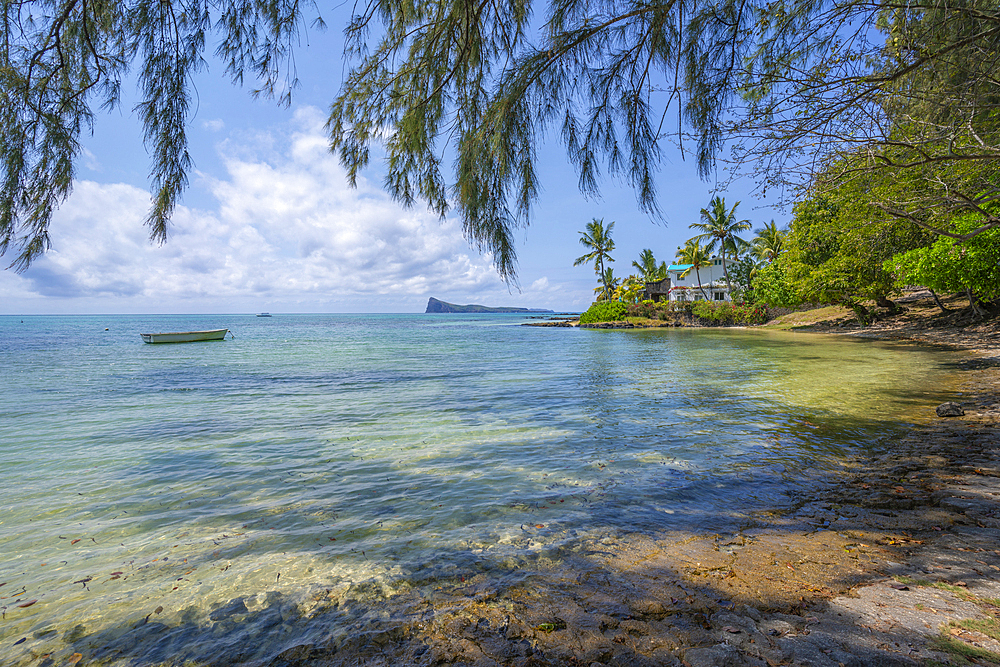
x,y
184,336
263,314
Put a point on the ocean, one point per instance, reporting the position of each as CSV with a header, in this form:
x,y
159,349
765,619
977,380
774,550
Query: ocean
x,y
154,493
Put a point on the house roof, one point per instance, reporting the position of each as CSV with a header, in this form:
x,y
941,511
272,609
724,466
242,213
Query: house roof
x,y
679,267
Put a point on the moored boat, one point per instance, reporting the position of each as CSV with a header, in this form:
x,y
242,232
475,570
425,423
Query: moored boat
x,y
184,336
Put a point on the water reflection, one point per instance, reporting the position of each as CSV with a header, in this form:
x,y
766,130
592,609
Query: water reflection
x,y
316,453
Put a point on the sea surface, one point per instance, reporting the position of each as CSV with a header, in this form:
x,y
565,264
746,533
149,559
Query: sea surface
x,y
154,493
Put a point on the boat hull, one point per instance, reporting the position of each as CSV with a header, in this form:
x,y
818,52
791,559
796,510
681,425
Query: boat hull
x,y
184,336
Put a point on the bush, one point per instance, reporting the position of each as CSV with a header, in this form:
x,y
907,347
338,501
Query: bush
x,y
755,313
726,313
710,312
771,286
645,309
650,310
954,266
604,311
706,310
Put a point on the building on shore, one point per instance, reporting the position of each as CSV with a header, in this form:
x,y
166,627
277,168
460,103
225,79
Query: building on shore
x,y
687,288
657,290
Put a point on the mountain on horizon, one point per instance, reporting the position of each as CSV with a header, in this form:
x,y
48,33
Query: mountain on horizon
x,y
436,306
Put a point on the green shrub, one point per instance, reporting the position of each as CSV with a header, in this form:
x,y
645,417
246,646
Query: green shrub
x,y
954,266
604,311
755,313
645,309
706,310
772,287
651,310
726,313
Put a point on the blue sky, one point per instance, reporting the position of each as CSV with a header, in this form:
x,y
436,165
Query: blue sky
x,y
270,224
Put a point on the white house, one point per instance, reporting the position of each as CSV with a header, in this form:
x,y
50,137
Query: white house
x,y
713,281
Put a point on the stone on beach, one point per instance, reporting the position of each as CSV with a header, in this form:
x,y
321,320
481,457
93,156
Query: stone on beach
x,y
950,409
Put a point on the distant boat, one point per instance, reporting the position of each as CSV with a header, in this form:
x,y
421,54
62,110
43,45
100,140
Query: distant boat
x,y
263,314
184,336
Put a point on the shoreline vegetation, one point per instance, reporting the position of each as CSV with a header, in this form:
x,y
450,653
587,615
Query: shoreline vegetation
x,y
918,309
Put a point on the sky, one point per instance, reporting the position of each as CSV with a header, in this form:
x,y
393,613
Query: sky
x,y
269,222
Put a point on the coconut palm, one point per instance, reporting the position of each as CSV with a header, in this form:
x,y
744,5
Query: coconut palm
x,y
719,228
608,285
597,239
649,270
768,244
692,253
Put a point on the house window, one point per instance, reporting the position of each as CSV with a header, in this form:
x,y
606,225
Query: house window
x,y
720,296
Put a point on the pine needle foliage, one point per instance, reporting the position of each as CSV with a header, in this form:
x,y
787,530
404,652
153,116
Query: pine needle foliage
x,y
468,79
62,60
460,95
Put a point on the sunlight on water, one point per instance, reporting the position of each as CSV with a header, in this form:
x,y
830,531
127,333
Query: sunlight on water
x,y
317,454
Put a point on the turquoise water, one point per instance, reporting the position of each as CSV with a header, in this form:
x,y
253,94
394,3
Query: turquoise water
x,y
325,453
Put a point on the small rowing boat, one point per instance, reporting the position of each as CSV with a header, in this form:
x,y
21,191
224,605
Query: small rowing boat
x,y
184,336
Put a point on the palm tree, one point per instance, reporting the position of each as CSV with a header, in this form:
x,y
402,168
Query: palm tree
x,y
768,244
697,257
648,268
719,227
608,285
597,239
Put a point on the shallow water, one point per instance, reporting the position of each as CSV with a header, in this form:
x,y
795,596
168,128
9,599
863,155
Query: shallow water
x,y
395,451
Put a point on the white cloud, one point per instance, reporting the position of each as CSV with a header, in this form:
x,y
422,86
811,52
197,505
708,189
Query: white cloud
x,y
214,125
285,228
90,161
540,285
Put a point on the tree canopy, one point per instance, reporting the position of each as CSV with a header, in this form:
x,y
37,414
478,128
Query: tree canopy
x,y
837,247
649,269
597,239
971,266
63,60
460,95
719,227
694,254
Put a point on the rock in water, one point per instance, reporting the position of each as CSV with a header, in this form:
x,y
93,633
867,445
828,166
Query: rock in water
x,y
950,409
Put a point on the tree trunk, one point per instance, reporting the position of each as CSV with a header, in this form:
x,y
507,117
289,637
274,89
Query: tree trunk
x,y
938,301
974,306
725,271
864,317
604,278
882,302
699,283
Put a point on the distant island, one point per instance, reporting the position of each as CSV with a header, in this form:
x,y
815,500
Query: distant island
x,y
435,306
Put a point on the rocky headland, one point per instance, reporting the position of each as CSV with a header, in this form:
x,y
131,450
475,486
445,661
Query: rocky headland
x,y
436,306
